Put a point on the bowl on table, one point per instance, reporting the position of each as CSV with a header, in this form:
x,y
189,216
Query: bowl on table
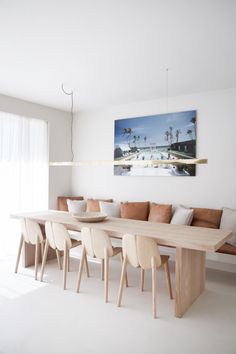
x,y
90,216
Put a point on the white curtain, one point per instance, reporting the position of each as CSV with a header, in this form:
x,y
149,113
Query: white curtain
x,y
23,173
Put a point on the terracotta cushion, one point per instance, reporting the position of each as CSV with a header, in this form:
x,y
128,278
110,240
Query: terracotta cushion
x,y
93,204
160,213
206,218
135,210
228,249
62,203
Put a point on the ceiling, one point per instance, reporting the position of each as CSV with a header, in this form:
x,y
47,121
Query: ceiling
x,y
115,51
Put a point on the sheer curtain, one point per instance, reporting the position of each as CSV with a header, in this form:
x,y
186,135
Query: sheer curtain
x,y
23,173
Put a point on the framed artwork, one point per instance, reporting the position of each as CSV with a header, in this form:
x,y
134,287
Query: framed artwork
x,y
158,137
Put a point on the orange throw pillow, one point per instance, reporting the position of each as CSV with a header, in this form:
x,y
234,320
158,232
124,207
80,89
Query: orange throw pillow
x,y
135,211
160,213
204,217
93,204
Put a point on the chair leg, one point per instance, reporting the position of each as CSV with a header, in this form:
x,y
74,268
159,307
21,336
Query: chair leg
x,y
123,272
142,279
86,265
42,250
68,260
154,286
58,259
106,273
65,263
45,254
81,265
19,253
102,269
168,281
36,259
126,275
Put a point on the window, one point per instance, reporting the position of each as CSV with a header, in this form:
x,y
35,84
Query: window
x,y
23,173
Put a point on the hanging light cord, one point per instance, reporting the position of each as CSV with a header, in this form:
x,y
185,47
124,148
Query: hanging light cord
x,y
71,94
167,90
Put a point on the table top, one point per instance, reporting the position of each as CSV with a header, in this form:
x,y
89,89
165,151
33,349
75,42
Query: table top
x,y
190,237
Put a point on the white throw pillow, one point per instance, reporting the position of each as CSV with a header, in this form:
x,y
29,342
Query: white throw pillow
x,y
228,222
182,216
76,206
176,206
111,209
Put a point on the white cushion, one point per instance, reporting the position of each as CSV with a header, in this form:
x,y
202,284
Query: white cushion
x,y
176,206
228,222
182,216
111,209
76,206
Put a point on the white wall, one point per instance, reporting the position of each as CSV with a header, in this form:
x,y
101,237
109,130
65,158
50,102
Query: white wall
x,y
59,149
214,186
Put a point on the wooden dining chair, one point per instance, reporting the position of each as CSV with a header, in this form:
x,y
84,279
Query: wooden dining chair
x,y
58,238
30,234
143,252
97,244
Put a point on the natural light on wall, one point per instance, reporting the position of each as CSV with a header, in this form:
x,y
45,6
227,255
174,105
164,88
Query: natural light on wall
x,y
23,173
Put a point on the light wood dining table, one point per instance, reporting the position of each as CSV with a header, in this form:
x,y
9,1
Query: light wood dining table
x,y
191,245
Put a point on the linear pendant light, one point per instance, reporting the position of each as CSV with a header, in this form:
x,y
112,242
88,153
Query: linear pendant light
x,y
72,163
130,162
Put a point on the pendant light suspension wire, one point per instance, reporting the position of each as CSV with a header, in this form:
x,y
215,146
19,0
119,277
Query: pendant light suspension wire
x,y
167,90
71,94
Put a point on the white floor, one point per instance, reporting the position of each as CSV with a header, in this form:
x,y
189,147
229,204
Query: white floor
x,y
41,318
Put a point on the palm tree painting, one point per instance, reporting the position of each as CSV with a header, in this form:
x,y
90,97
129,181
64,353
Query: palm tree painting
x,y
157,137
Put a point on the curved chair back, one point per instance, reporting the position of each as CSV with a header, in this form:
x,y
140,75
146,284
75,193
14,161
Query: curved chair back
x,y
24,230
147,249
49,234
130,249
140,250
101,241
31,231
95,241
87,241
56,235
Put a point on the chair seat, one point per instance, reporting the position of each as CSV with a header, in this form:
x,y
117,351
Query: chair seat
x,y
164,259
116,250
75,243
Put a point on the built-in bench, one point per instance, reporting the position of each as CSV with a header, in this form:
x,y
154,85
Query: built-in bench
x,y
202,217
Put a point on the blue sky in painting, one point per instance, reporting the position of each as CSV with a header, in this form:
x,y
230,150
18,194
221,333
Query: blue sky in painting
x,y
154,127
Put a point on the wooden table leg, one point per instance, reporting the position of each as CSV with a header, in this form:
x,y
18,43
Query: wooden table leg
x,y
28,254
189,278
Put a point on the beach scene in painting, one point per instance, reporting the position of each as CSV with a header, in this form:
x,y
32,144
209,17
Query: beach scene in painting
x,y
167,136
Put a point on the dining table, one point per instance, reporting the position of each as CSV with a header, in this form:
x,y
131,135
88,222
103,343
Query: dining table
x,y
191,244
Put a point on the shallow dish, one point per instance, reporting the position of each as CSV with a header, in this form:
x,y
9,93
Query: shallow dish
x,y
90,216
